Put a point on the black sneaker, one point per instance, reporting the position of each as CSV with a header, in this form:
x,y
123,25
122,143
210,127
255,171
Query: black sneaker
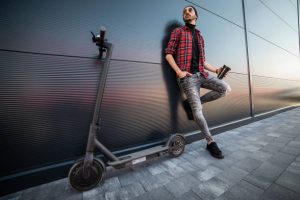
x,y
214,150
188,110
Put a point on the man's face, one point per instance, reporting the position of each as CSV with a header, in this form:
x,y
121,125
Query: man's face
x,y
189,14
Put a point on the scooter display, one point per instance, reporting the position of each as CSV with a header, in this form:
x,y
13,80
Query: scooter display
x,y
89,171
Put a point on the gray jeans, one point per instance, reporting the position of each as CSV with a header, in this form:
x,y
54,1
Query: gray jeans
x,y
191,87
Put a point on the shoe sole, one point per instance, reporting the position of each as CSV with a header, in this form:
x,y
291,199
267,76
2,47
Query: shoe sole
x,y
216,156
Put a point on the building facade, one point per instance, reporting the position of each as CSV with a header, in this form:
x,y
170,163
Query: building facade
x,y
50,71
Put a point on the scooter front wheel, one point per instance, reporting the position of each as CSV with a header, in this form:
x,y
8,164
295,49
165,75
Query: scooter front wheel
x,y
94,176
176,145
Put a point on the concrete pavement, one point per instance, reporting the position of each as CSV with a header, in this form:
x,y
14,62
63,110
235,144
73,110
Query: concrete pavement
x,y
262,161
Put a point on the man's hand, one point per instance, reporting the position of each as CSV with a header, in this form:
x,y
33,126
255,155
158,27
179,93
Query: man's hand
x,y
182,74
219,70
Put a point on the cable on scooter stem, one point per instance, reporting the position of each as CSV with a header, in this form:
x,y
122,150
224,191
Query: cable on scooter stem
x,y
101,40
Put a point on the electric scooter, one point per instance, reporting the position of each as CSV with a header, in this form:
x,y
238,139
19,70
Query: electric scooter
x,y
89,171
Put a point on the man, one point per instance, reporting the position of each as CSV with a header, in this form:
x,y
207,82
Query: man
x,y
185,54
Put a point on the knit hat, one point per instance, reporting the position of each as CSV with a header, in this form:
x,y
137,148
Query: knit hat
x,y
194,10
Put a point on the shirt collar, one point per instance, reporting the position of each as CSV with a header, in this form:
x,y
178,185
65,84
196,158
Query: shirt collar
x,y
187,28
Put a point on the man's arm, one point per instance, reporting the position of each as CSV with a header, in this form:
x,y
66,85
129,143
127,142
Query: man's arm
x,y
170,50
172,63
211,68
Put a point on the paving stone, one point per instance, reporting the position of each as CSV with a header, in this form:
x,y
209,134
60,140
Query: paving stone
x,y
198,163
156,169
222,197
127,178
259,155
134,190
163,178
192,154
232,175
169,163
274,134
208,173
290,180
13,196
211,189
151,182
252,138
270,148
158,193
117,195
282,158
38,192
225,163
258,181
173,169
57,189
242,143
188,157
297,139
269,171
93,194
239,155
190,195
295,144
248,164
146,179
111,184
291,150
277,192
282,141
181,185
243,190
266,138
188,167
294,167
205,159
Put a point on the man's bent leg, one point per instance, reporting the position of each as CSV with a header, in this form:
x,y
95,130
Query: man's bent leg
x,y
191,87
193,96
219,89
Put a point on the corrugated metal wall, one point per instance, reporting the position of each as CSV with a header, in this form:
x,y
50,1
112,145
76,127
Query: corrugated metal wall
x,y
49,72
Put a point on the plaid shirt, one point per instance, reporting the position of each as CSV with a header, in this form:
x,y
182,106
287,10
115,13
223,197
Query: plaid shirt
x,y
180,45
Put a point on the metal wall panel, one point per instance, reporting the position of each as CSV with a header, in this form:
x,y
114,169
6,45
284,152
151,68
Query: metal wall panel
x,y
274,54
274,93
224,42
47,104
229,11
269,60
266,23
63,27
46,107
49,73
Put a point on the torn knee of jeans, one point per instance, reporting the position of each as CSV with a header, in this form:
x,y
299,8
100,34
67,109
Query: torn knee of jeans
x,y
228,90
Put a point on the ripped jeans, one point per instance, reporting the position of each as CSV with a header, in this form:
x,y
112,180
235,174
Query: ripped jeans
x,y
191,87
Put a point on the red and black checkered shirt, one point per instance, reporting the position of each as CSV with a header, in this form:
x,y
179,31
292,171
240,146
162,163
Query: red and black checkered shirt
x,y
180,46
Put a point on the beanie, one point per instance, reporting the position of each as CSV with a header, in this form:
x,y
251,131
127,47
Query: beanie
x,y
193,8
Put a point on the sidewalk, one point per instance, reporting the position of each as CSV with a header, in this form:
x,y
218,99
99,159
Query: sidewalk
x,y
262,161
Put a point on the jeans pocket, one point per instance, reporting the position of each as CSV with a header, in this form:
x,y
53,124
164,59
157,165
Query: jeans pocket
x,y
181,80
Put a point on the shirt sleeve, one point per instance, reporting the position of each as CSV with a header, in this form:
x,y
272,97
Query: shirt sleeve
x,y
173,42
203,47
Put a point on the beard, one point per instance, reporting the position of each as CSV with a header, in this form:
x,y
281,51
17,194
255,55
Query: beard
x,y
189,18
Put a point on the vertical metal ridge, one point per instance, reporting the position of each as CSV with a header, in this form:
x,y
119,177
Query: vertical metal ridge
x,y
298,25
248,64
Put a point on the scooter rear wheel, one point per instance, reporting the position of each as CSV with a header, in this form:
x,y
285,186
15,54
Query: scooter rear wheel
x,y
95,175
176,145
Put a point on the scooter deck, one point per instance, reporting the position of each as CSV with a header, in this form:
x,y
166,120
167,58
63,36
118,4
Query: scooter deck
x,y
141,156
